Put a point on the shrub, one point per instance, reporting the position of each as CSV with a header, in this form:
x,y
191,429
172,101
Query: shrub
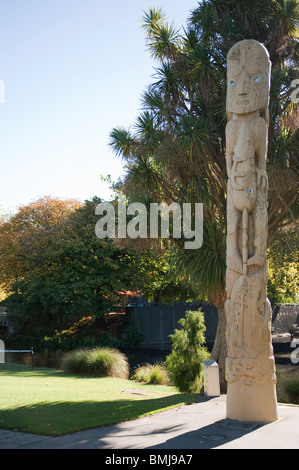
x,y
185,363
99,362
152,373
289,389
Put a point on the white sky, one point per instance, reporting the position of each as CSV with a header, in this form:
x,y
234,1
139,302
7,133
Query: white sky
x,y
72,71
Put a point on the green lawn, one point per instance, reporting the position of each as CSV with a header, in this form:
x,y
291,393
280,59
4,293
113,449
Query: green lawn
x,y
50,402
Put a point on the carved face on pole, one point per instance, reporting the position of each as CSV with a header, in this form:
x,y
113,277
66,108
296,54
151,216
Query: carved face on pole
x,y
248,77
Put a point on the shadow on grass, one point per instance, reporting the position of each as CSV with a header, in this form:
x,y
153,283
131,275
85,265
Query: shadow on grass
x,y
58,418
21,369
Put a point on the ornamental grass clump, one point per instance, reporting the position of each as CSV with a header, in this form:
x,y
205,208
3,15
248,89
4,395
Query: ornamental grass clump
x,y
152,373
96,362
289,389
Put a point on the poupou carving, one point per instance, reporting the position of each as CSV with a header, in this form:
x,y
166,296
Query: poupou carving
x,y
250,366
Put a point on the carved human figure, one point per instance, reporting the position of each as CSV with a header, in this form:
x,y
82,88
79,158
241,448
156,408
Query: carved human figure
x,y
250,368
248,74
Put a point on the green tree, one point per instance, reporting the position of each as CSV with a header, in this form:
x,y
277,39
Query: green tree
x,y
70,272
185,362
63,271
283,262
28,230
154,279
176,151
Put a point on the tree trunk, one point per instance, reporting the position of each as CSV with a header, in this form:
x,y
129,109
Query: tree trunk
x,y
219,351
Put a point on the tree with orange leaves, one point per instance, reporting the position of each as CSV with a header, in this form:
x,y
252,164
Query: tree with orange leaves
x,y
24,234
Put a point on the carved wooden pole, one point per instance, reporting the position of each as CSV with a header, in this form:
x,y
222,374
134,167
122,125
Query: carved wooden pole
x,y
250,366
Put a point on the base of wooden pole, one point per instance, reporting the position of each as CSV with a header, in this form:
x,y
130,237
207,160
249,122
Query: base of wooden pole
x,y
253,403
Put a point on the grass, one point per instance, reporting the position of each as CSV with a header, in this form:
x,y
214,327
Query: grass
x,y
50,402
288,386
152,373
99,362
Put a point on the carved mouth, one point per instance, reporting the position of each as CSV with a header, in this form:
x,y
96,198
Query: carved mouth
x,y
242,102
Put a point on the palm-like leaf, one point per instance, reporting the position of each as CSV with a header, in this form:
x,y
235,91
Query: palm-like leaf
x,y
153,100
168,83
286,17
194,133
122,142
147,127
163,39
204,268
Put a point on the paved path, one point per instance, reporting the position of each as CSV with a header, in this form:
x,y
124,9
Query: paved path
x,y
198,426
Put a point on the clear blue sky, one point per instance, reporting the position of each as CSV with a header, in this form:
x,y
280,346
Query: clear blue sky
x,y
72,71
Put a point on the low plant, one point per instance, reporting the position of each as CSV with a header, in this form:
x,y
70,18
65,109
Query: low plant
x,y
152,373
98,362
288,390
185,362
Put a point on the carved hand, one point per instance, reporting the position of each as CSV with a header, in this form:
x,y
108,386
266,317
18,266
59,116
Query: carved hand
x,y
261,179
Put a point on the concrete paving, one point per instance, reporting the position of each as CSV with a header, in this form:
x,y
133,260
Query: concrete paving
x,y
202,425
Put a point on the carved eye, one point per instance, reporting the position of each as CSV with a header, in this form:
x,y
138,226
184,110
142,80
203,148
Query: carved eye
x,y
256,79
250,190
232,83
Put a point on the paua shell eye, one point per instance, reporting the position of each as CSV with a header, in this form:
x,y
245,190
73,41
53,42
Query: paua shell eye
x,y
250,190
232,83
256,79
